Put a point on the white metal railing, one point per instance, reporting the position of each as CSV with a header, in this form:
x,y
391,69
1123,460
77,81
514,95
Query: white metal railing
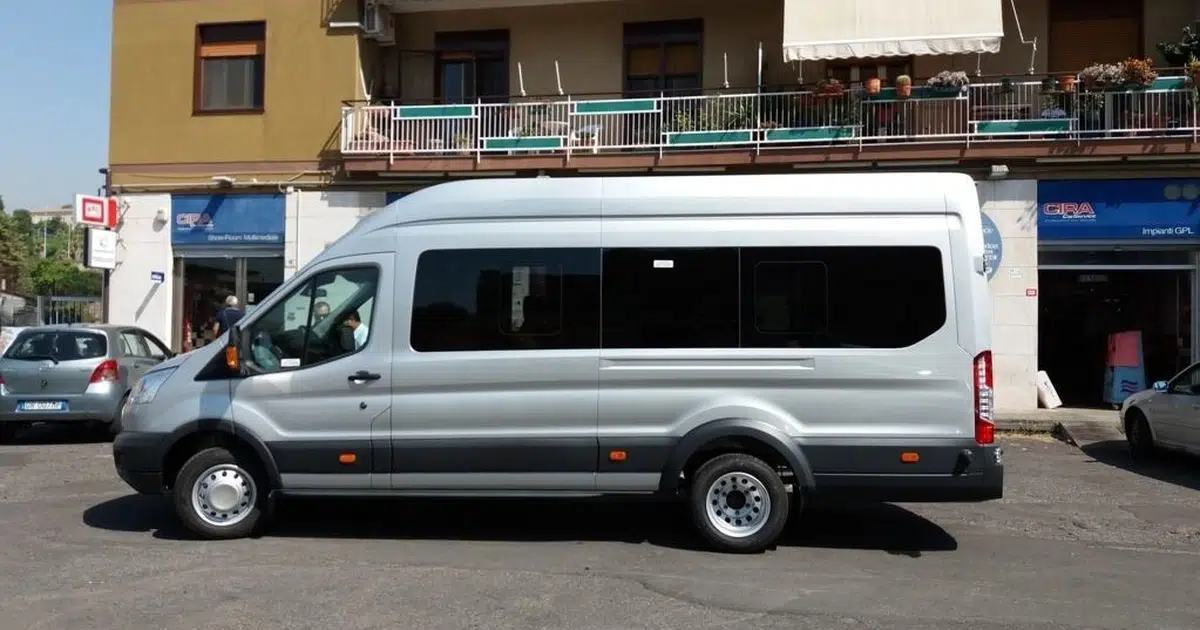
x,y
1002,111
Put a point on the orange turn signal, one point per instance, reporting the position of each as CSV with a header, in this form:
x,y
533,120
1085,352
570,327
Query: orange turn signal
x,y
347,458
231,357
910,458
617,456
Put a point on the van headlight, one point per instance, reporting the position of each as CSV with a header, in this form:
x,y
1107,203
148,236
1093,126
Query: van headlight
x,y
147,387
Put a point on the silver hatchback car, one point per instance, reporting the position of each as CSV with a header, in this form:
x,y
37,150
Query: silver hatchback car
x,y
75,373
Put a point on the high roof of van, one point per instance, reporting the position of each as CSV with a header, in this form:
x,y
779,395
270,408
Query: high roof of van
x,y
676,195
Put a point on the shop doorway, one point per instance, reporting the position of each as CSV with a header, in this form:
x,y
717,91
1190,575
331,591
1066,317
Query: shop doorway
x,y
207,282
1079,307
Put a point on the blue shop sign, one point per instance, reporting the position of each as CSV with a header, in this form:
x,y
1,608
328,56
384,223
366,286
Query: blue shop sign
x,y
1103,209
227,220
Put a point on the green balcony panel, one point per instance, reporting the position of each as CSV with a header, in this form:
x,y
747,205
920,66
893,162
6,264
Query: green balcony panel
x,y
528,143
409,112
631,106
808,134
709,137
1042,125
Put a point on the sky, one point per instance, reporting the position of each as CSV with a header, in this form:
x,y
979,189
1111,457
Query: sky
x,y
54,97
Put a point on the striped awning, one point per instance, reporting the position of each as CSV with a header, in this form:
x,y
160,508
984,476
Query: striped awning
x,y
845,29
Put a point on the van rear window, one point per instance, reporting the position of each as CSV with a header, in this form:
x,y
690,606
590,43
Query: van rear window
x,y
57,345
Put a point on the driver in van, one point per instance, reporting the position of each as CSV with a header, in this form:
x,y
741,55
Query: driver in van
x,y
320,312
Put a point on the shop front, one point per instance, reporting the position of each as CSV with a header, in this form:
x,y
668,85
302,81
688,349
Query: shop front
x,y
223,245
1117,264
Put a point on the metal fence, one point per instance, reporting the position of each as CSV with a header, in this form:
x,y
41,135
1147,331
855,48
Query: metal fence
x,y
980,112
46,310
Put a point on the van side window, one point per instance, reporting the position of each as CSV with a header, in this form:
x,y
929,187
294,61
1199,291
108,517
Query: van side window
x,y
671,298
506,299
327,317
841,297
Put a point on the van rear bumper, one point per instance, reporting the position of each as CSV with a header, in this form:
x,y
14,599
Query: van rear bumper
x,y
943,471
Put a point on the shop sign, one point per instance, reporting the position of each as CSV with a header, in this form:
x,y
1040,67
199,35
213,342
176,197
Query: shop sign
x,y
993,246
1105,209
100,249
227,220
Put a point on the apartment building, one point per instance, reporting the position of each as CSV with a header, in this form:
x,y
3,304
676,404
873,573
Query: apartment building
x,y
249,134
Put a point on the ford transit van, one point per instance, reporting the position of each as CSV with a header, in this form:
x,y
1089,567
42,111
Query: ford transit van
x,y
742,343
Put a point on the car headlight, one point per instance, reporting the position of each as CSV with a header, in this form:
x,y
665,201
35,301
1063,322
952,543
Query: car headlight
x,y
147,387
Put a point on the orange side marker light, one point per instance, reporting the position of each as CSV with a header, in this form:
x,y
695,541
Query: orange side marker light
x,y
910,458
347,458
617,456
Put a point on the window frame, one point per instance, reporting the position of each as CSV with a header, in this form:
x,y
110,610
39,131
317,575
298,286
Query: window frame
x,y
661,35
128,337
246,325
153,343
198,108
470,48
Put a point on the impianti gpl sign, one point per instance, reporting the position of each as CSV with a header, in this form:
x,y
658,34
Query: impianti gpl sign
x,y
96,211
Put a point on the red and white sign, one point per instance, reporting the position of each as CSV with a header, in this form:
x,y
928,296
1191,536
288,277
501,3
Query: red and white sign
x,y
1031,293
96,211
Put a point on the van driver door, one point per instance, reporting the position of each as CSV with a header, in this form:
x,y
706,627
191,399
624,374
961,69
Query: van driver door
x,y
319,360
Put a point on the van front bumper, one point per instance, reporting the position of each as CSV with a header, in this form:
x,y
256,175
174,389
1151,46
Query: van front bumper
x,y
922,472
138,458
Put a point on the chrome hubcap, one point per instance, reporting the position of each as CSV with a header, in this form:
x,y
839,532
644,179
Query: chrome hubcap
x,y
224,495
737,504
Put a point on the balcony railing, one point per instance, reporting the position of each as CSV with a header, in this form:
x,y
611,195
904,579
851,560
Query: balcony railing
x,y
981,112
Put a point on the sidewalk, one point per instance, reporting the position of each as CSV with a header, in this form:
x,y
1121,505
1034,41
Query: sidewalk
x,y
1045,420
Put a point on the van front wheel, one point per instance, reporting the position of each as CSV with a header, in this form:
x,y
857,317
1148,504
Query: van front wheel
x,y
218,494
739,503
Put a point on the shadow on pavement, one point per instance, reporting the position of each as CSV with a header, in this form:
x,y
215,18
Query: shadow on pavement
x,y
66,433
1181,470
882,527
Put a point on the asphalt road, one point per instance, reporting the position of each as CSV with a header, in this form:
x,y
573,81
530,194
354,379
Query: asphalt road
x,y
1082,540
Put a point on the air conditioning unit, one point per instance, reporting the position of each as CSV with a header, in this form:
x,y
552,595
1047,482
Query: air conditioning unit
x,y
377,22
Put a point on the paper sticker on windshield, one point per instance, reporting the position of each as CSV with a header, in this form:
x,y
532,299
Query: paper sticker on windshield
x,y
289,363
664,264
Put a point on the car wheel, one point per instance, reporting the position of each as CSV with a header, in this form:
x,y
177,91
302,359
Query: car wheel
x,y
1137,434
739,503
8,431
220,495
114,427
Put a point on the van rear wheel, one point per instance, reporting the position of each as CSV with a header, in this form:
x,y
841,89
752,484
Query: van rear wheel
x,y
220,495
739,503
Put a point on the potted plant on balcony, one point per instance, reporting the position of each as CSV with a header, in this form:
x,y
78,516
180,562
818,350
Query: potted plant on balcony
x,y
1137,74
830,88
904,86
950,83
1066,82
1101,76
1191,70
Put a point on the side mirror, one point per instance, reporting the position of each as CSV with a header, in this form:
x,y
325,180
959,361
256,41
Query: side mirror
x,y
1160,386
233,360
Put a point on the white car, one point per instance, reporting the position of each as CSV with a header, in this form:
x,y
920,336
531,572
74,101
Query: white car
x,y
1167,416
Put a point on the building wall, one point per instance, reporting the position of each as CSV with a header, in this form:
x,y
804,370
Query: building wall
x,y
586,39
309,71
315,219
144,245
1012,206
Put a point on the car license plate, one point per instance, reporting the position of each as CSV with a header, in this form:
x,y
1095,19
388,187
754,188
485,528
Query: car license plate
x,y
42,405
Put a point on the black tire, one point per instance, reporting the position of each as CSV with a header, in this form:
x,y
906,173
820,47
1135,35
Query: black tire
x,y
245,518
1137,434
114,427
8,431
763,480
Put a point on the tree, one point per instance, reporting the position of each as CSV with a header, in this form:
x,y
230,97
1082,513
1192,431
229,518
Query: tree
x,y
13,255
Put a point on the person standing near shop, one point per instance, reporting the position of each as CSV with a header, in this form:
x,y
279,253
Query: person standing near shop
x,y
227,316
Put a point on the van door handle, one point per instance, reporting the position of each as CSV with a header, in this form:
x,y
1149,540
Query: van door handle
x,y
363,375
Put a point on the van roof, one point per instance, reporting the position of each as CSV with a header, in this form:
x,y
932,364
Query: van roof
x,y
672,195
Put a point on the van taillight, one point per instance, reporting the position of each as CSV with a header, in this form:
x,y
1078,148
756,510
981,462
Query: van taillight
x,y
105,372
985,419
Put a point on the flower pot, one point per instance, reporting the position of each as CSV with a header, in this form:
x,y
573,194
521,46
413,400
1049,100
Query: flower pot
x,y
904,91
874,86
1066,83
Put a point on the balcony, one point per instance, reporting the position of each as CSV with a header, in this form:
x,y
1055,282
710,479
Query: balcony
x,y
986,119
